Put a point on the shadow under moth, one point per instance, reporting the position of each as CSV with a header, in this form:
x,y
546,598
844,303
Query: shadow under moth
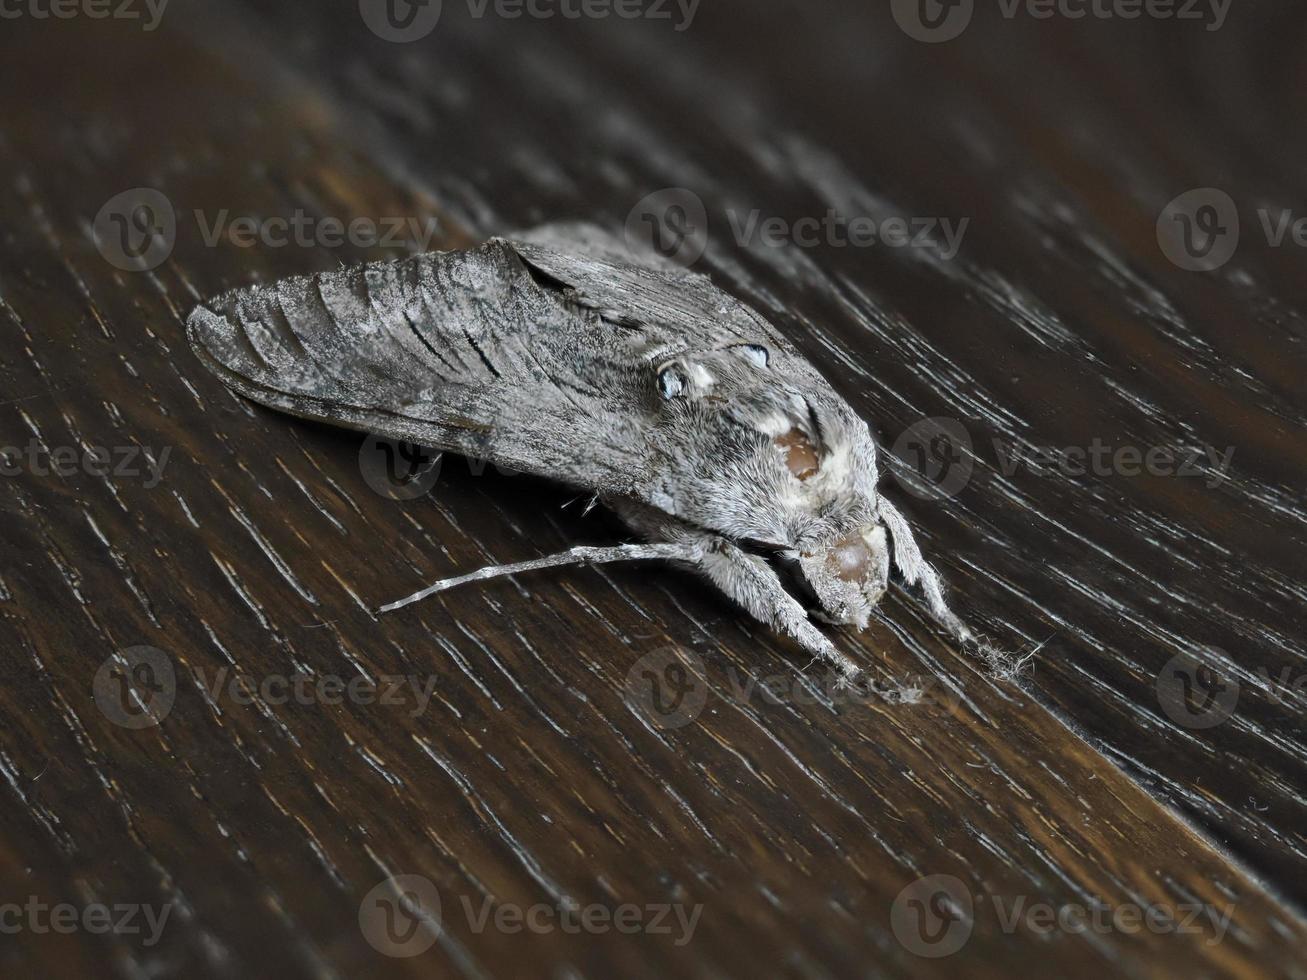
x,y
562,353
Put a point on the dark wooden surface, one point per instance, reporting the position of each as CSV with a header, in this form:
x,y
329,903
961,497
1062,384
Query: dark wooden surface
x,y
532,777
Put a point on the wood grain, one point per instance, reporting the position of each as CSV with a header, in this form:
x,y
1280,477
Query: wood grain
x,y
532,776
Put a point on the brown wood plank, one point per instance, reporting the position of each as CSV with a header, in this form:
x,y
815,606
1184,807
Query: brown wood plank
x,y
532,775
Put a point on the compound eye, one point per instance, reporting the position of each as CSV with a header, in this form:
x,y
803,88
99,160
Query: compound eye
x,y
850,558
671,382
756,354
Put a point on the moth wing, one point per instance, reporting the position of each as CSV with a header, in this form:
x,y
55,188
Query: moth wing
x,y
461,351
540,355
626,280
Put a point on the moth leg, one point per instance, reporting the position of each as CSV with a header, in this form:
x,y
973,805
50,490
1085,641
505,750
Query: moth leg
x,y
744,577
916,570
753,584
683,551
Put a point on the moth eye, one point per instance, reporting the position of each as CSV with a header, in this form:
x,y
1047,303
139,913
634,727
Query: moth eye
x,y
671,382
759,355
850,558
800,454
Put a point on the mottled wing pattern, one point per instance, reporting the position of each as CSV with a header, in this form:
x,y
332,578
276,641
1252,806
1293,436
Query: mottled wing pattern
x,y
461,351
626,282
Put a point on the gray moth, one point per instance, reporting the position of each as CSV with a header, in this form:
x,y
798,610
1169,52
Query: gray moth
x,y
564,353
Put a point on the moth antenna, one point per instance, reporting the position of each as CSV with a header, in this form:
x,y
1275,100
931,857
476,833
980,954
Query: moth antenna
x,y
583,555
916,570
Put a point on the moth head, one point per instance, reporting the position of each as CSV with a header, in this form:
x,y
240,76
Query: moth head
x,y
845,579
